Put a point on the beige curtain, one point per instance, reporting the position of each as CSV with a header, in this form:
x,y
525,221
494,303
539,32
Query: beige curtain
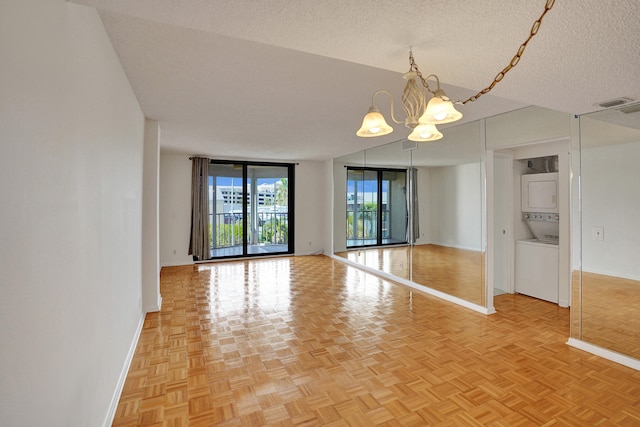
x,y
199,245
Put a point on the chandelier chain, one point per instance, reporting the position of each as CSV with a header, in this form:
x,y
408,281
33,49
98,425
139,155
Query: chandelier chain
x,y
498,78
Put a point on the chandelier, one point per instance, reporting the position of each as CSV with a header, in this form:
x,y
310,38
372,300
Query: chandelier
x,y
422,117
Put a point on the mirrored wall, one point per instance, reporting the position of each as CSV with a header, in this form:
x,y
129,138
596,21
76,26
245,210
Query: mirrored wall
x,y
468,219
441,243
606,263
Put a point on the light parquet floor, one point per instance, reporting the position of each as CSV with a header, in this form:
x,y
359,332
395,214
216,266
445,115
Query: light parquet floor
x,y
457,272
306,341
609,310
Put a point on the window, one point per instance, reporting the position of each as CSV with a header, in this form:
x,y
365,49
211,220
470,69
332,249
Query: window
x,y
376,207
251,208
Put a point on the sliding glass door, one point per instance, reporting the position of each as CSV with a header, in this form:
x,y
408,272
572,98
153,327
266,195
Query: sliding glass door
x,y
251,208
376,207
268,209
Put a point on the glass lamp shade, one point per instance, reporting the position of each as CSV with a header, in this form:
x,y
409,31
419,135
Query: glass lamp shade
x,y
440,110
425,132
374,124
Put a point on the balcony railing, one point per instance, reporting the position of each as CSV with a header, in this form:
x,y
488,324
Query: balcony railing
x,y
226,229
363,224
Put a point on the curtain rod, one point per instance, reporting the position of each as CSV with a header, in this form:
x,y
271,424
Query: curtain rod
x,y
240,161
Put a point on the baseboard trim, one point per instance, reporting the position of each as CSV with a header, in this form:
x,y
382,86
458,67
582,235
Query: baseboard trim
x,y
418,287
154,308
612,274
111,413
449,245
176,264
627,361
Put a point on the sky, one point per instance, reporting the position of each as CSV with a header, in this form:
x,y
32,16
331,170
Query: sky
x,y
226,181
366,186
369,186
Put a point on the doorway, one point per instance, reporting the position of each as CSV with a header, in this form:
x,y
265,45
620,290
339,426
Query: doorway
x,y
509,224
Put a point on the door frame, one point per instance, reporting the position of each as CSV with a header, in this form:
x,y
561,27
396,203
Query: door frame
x,y
245,204
379,217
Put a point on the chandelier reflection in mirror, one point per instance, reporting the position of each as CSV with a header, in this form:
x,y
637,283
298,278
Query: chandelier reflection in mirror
x,y
422,117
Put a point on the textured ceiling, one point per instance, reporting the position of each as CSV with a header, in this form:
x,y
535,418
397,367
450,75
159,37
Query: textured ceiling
x,y
291,79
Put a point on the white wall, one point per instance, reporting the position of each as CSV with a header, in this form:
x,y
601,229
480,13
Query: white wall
x,y
312,203
455,206
502,175
611,199
312,208
526,126
175,209
71,139
151,299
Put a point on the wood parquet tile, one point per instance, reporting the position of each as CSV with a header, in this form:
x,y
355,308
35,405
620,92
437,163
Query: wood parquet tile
x,y
457,272
310,341
606,312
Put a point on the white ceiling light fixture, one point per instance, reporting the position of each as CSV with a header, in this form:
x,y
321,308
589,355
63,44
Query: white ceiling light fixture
x,y
422,117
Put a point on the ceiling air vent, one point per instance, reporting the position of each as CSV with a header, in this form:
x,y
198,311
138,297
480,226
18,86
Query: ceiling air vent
x,y
631,109
615,102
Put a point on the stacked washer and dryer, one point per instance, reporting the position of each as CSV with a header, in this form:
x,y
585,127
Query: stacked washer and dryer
x,y
537,262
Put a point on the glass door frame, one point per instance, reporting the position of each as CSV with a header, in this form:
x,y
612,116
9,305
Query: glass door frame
x,y
379,205
245,165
